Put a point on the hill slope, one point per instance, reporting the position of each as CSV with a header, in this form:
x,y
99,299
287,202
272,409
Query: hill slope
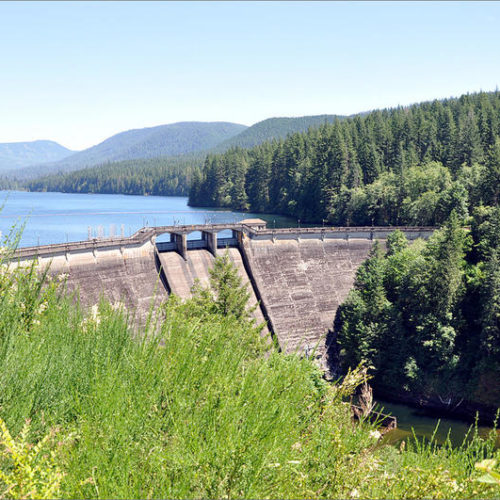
x,y
15,155
274,128
166,176
164,140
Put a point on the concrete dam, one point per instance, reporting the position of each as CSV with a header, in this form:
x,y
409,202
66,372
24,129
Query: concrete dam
x,y
299,276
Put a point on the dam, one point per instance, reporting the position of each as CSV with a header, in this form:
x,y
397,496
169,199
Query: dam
x,y
297,276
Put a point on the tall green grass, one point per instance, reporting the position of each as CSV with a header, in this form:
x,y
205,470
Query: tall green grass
x,y
196,408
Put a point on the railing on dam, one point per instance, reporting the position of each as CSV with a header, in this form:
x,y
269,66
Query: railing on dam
x,y
254,229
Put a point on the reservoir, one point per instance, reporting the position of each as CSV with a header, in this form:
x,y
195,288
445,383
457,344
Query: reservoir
x,y
61,217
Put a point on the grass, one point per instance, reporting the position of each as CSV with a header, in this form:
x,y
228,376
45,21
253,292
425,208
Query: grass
x,y
193,409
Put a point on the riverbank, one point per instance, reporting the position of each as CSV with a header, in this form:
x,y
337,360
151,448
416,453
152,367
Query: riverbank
x,y
454,409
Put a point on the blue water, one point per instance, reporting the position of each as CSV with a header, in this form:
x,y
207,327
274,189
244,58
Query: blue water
x,y
60,217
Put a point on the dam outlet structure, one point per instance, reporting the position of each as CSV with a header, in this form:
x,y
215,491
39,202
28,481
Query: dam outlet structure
x,y
297,276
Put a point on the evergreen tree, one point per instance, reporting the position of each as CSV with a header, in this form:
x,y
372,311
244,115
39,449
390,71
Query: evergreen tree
x,y
230,295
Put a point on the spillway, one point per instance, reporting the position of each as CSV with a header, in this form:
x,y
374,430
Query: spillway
x,y
181,274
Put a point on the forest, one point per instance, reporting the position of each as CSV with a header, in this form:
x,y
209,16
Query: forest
x,y
407,165
156,176
425,317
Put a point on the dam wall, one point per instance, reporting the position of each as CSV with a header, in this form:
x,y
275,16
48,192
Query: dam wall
x,y
302,283
121,273
303,275
297,276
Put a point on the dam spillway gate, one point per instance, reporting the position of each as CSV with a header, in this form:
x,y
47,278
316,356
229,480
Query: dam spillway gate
x,y
298,276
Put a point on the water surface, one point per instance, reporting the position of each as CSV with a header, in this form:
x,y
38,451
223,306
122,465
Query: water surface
x,y
60,217
424,425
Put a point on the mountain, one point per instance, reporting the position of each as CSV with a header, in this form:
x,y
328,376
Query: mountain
x,y
14,155
274,128
161,141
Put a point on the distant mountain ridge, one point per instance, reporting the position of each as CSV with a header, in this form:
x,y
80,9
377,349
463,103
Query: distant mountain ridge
x,y
14,155
162,141
193,140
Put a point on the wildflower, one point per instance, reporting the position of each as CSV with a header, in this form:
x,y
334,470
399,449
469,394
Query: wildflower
x,y
93,319
375,434
62,277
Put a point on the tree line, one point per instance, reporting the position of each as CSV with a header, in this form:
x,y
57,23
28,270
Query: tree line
x,y
159,177
407,165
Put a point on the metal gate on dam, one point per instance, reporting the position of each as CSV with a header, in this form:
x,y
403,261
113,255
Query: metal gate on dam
x,y
299,276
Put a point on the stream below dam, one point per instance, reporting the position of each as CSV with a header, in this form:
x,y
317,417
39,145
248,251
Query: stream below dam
x,y
61,217
425,425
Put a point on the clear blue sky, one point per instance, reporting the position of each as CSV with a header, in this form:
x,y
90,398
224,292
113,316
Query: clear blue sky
x,y
78,72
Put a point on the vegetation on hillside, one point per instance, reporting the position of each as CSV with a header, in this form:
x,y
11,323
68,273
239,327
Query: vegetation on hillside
x,y
426,317
167,175
198,406
14,155
274,128
157,176
409,165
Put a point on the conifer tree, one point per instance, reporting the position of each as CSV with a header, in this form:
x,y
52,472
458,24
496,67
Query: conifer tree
x,y
230,294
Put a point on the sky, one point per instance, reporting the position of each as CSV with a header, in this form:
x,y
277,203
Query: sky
x,y
79,72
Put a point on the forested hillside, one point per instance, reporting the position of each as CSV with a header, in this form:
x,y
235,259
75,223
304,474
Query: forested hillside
x,y
14,155
426,317
274,128
164,140
163,175
157,176
408,165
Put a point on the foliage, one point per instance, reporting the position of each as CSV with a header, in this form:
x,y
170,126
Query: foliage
x,y
274,128
159,177
226,295
491,475
425,316
27,471
200,407
411,165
